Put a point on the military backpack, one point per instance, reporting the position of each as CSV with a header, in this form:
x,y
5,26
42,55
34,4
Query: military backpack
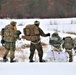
x,y
68,43
9,33
55,40
31,32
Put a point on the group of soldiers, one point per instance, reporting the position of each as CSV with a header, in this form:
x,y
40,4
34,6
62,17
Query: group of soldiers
x,y
32,33
66,43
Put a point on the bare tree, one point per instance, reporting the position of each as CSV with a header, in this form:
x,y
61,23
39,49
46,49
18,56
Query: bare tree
x,y
37,7
70,7
0,4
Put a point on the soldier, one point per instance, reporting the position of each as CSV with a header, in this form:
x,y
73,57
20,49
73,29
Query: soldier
x,y
68,44
36,43
56,41
10,36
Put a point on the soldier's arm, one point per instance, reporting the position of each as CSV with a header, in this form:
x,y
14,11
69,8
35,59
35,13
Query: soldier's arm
x,y
42,33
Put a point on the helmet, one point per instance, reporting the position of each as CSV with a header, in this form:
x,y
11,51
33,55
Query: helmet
x,y
55,34
36,22
13,23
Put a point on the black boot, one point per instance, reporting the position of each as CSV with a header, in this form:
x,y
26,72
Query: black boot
x,y
5,59
12,60
31,61
42,60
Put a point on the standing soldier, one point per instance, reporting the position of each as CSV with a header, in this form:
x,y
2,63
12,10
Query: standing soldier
x,y
33,33
10,34
68,44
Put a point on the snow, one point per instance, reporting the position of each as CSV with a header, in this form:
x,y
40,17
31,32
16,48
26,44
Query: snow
x,y
37,68
23,67
55,56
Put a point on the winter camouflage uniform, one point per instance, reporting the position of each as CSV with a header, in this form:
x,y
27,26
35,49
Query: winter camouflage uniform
x,y
10,42
68,44
37,44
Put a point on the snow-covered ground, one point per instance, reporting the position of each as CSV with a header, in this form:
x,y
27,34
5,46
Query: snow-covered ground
x,y
50,68
37,68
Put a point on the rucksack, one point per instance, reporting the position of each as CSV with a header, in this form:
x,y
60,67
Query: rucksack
x,y
55,41
68,43
2,39
9,33
31,32
2,32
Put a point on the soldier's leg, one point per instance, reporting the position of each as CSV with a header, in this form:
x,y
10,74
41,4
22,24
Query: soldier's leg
x,y
6,51
40,51
12,51
70,56
32,50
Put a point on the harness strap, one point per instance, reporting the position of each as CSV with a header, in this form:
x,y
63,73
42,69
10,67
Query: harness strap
x,y
36,42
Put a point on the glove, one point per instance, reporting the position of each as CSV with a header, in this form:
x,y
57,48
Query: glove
x,y
2,41
63,38
48,34
18,32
